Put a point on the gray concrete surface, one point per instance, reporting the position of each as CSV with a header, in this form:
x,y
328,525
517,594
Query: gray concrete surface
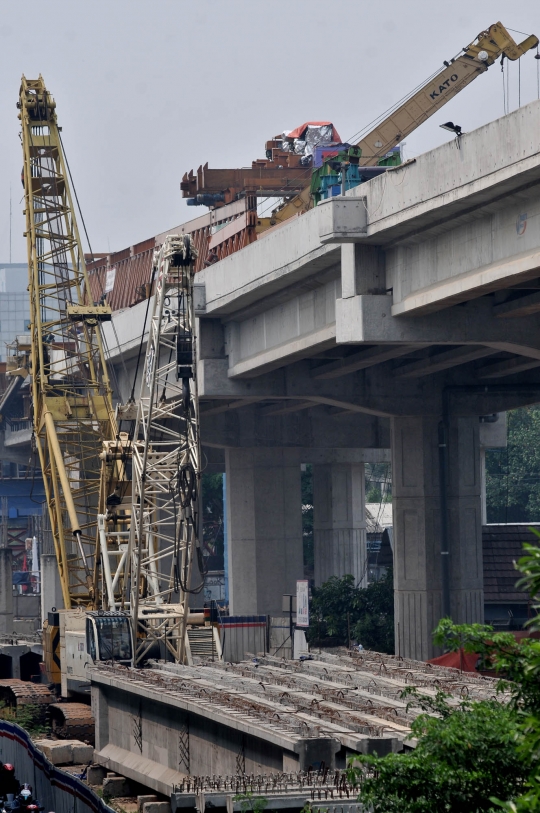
x,y
264,524
65,752
339,522
412,299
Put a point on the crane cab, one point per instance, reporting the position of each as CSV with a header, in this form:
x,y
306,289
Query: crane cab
x,y
108,637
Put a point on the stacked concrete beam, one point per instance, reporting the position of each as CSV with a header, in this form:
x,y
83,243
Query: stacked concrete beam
x,y
157,726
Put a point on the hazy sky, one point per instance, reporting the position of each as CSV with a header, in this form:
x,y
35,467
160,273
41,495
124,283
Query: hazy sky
x,y
147,89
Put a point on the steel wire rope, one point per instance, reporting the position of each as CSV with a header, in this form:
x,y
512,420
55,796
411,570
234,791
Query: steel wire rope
x,y
80,451
103,338
371,125
132,394
508,87
88,357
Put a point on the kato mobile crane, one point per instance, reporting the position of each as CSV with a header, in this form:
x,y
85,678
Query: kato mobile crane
x,y
283,172
474,60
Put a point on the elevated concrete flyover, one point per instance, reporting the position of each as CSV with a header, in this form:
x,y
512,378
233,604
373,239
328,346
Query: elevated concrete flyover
x,y
411,303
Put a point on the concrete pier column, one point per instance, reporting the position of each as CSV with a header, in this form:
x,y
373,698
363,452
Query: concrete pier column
x,y
6,591
339,523
417,529
264,528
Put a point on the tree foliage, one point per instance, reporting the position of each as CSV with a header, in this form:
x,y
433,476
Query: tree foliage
x,y
513,473
478,756
465,756
378,482
212,496
339,609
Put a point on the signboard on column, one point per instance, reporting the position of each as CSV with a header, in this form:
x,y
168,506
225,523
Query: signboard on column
x,y
302,603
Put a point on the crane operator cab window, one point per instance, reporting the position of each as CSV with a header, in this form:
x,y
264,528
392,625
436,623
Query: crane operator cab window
x,y
108,637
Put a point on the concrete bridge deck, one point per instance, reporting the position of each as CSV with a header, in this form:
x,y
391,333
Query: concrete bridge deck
x,y
376,322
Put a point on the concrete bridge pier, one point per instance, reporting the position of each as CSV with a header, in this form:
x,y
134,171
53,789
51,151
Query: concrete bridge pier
x,y
264,526
418,539
339,522
6,591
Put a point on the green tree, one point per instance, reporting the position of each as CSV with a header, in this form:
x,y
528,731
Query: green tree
x,y
212,497
518,662
378,482
375,626
339,609
465,755
478,756
513,474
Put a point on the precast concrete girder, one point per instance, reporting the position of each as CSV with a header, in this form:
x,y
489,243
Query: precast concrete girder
x,y
518,308
444,361
373,391
362,360
293,382
314,428
501,369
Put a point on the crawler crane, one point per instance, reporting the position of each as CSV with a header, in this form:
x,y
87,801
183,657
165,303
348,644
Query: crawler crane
x,y
156,564
71,393
124,547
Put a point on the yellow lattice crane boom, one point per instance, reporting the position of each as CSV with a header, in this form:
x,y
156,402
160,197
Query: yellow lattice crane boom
x,y
72,404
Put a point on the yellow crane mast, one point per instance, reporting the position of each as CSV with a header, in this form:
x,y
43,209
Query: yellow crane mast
x,y
72,403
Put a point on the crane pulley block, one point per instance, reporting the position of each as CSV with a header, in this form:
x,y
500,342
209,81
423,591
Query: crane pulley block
x,y
91,314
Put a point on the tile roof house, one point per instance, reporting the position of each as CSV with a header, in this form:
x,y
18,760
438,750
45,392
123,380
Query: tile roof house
x,y
505,605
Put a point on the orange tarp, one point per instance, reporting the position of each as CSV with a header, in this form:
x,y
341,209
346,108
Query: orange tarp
x,y
457,660
297,132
